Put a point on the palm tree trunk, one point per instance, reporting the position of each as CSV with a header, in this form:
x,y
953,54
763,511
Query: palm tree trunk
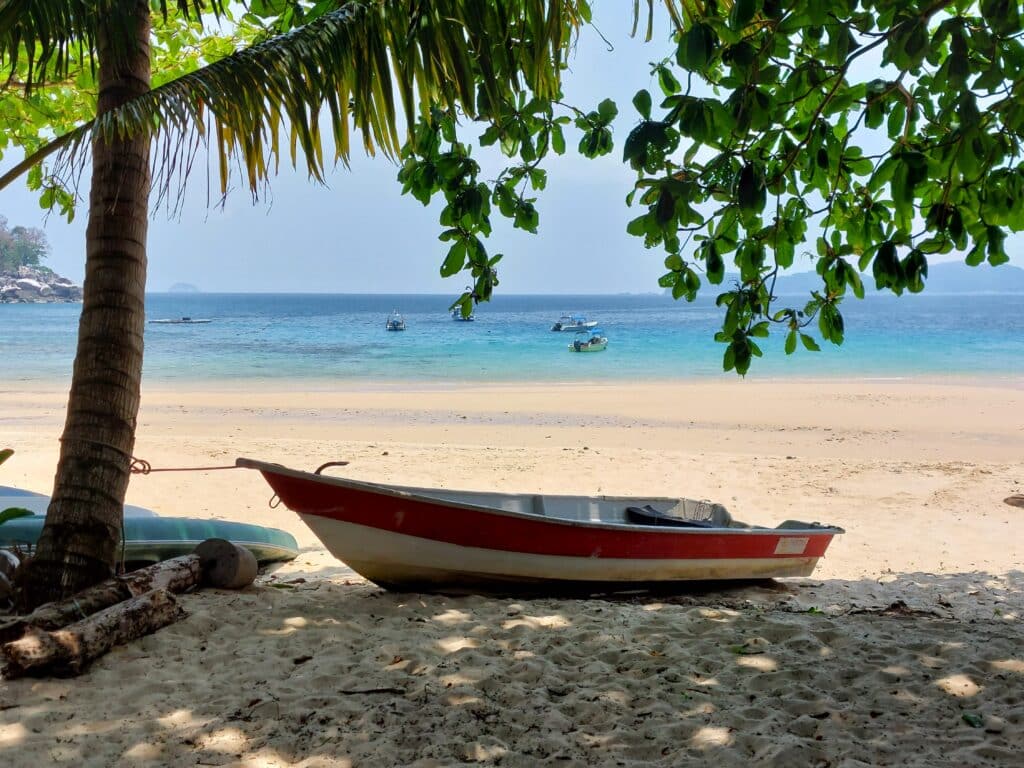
x,y
79,542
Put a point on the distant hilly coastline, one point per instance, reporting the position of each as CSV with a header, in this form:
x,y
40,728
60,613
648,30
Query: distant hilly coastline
x,y
183,288
946,278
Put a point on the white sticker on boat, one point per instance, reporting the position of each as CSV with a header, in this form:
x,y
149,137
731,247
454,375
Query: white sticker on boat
x,y
791,545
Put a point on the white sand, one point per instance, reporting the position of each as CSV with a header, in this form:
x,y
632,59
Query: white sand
x,y
325,669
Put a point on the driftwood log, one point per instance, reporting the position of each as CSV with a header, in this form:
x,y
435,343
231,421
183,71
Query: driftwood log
x,y
117,610
176,575
68,651
226,565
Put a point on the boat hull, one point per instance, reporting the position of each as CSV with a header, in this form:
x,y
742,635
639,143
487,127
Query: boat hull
x,y
410,563
589,347
403,540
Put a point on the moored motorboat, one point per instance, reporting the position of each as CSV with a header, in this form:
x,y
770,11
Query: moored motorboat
x,y
430,539
181,321
395,322
574,324
593,344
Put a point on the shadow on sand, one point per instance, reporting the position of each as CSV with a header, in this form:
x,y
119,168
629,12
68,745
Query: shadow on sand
x,y
912,670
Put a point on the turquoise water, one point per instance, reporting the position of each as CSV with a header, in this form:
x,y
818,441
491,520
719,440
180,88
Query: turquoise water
x,y
342,337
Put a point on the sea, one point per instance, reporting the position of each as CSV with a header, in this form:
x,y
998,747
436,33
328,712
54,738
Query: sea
x,y
341,338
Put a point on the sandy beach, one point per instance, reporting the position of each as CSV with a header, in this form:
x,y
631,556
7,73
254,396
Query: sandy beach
x,y
904,649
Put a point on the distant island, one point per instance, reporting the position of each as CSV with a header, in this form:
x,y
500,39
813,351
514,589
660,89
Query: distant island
x,y
183,288
945,278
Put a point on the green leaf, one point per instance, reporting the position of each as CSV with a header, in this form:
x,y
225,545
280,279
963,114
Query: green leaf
x,y
5,454
809,343
638,226
557,139
830,323
13,513
915,270
742,12
751,194
665,209
972,719
642,102
1002,15
607,111
887,270
714,263
696,47
455,260
853,280
667,81
791,342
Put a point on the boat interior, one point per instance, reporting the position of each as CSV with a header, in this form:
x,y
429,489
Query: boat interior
x,y
681,513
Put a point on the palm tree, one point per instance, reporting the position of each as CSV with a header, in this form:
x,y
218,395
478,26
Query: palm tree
x,y
452,53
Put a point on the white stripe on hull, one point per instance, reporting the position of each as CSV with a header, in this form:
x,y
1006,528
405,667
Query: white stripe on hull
x,y
396,559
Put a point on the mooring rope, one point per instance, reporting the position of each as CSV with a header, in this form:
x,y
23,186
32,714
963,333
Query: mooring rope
x,y
142,467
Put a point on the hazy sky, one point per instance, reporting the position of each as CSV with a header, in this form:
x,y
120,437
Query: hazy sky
x,y
360,234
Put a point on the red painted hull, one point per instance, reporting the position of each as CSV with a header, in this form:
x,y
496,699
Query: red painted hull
x,y
400,538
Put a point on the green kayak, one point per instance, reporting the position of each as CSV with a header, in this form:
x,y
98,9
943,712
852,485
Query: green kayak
x,y
152,539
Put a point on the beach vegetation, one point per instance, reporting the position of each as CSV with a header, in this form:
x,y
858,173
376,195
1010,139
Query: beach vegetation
x,y
21,246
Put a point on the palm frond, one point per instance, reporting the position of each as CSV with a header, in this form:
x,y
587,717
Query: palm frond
x,y
348,63
54,35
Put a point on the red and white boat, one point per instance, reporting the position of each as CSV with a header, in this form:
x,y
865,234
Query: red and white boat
x,y
430,539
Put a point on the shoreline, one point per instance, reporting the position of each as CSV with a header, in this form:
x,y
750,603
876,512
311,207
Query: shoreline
x,y
1011,379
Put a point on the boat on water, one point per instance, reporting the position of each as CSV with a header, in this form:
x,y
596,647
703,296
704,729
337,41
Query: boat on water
x,y
149,538
432,539
574,324
457,316
181,321
395,322
593,344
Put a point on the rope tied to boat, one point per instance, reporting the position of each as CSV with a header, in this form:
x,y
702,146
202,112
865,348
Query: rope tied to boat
x,y
139,466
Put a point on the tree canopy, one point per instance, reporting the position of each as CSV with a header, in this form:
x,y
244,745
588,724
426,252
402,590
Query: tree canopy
x,y
21,246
